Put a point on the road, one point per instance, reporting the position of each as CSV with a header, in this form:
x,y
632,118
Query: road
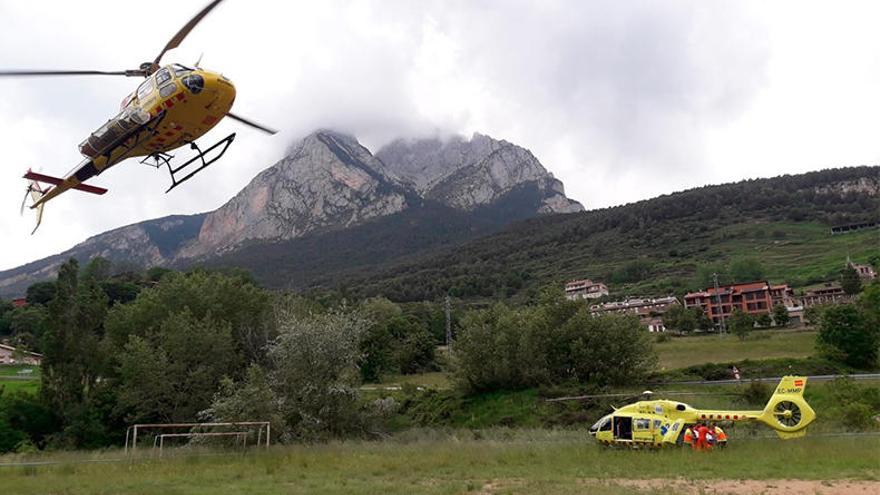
x,y
773,379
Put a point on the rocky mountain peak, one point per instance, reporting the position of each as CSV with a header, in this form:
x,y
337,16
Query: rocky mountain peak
x,y
467,173
328,180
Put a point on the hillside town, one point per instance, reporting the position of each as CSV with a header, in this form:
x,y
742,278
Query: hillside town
x,y
719,303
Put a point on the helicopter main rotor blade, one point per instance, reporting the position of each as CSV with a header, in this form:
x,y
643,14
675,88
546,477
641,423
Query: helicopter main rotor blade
x,y
175,41
251,123
28,73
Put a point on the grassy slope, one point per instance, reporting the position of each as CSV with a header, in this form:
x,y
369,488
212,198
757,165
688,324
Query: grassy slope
x,y
511,462
803,254
765,344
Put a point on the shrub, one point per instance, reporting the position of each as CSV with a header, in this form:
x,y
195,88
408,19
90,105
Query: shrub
x,y
556,342
857,416
756,393
846,336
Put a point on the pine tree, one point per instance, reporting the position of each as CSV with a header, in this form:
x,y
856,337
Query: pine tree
x,y
850,281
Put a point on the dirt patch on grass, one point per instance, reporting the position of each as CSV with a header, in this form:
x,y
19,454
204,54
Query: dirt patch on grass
x,y
750,487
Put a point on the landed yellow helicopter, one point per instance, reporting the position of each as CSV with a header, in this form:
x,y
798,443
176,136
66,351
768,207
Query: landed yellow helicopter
x,y
659,423
172,107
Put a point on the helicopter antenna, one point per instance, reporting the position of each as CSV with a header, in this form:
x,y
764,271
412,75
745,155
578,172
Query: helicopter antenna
x,y
199,60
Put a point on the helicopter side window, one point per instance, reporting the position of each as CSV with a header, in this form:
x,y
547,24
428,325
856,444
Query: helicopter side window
x,y
145,89
643,424
657,424
167,90
162,76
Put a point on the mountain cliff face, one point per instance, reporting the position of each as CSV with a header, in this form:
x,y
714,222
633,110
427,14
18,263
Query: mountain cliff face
x,y
468,174
329,182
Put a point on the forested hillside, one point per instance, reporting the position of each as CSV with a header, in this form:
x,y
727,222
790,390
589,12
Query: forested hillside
x,y
778,227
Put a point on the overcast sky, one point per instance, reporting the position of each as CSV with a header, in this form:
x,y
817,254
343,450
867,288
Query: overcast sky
x,y
621,100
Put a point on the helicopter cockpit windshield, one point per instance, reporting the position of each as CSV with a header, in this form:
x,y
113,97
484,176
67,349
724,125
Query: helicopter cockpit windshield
x,y
603,424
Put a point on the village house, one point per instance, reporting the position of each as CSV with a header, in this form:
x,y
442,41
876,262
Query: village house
x,y
649,311
8,355
828,294
585,289
755,298
866,272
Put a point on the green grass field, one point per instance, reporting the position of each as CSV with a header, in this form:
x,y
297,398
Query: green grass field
x,y
500,461
11,380
761,344
16,369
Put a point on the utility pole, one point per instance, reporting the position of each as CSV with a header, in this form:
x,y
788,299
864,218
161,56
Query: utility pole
x,y
448,326
718,300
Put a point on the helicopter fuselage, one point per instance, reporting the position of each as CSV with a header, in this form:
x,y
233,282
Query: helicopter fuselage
x,y
174,106
654,423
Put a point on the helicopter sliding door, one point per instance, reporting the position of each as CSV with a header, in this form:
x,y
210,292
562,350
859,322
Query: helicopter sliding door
x,y
643,431
623,428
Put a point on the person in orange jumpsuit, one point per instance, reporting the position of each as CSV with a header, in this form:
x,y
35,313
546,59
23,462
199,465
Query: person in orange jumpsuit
x,y
702,440
689,437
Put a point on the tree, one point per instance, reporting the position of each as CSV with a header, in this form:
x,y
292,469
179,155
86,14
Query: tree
x,y
171,374
607,350
97,269
845,335
555,342
780,315
250,399
764,320
40,293
313,373
850,281
681,319
227,299
28,324
741,323
6,308
72,361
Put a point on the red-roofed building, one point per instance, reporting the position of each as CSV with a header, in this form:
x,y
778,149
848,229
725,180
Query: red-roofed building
x,y
754,298
19,302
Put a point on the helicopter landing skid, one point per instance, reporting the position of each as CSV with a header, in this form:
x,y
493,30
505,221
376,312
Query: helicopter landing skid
x,y
223,145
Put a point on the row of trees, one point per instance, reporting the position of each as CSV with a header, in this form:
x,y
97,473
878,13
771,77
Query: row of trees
x,y
189,345
554,342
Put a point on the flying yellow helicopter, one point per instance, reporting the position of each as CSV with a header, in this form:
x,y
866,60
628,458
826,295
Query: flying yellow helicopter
x,y
172,107
658,423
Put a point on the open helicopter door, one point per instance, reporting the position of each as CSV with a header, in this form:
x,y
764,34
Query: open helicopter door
x,y
673,432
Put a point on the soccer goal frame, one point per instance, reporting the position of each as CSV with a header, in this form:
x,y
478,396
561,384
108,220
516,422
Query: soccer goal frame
x,y
131,434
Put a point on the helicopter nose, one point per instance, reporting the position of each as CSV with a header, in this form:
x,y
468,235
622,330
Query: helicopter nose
x,y
220,89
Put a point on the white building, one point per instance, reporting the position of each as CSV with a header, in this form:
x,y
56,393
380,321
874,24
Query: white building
x,y
9,356
585,289
650,311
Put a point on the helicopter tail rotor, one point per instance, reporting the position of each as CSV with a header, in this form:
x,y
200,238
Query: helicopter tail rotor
x,y
787,412
35,192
